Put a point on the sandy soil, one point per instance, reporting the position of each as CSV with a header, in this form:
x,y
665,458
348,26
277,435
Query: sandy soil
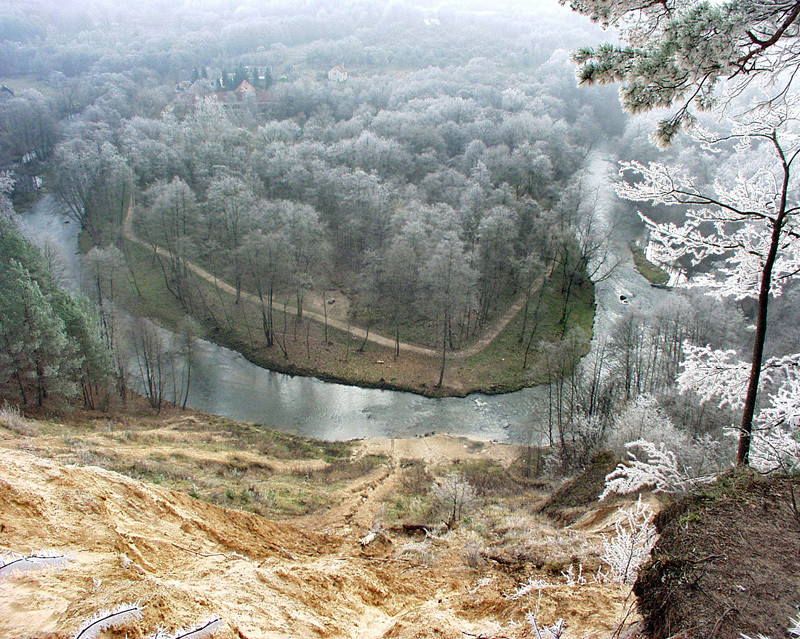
x,y
188,561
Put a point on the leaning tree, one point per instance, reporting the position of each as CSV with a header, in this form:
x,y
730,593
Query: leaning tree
x,y
681,54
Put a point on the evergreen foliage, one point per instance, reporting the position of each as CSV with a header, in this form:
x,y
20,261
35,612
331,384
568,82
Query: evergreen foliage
x,y
48,339
678,51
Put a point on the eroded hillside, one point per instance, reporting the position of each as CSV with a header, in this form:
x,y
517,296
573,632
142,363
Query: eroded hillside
x,y
188,560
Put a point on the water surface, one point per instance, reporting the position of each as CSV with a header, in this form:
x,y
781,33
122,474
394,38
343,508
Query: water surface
x,y
227,384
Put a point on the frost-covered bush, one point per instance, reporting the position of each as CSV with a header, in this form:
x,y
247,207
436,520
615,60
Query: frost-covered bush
x,y
774,449
581,437
556,631
660,456
656,468
644,419
455,497
574,576
721,375
533,584
633,539
793,629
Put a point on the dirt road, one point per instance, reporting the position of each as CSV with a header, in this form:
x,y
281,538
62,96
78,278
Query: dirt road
x,y
316,301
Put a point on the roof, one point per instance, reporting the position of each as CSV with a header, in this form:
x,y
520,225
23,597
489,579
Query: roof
x,y
245,87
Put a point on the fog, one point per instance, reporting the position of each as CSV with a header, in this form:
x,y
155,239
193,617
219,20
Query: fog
x,y
415,170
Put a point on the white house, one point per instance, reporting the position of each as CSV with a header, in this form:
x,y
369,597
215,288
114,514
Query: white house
x,y
337,74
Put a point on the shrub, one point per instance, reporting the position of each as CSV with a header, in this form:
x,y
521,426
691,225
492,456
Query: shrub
x,y
12,419
629,548
455,497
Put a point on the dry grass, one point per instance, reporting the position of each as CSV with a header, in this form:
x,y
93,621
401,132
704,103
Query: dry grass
x,y
244,466
468,573
528,540
12,419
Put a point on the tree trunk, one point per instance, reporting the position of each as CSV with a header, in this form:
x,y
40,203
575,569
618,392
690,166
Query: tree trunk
x,y
746,430
444,352
366,337
22,395
325,313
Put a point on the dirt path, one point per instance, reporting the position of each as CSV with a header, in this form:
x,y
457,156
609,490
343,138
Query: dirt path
x,y
489,335
358,510
361,508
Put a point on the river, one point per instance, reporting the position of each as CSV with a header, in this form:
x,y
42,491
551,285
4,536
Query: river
x,y
225,383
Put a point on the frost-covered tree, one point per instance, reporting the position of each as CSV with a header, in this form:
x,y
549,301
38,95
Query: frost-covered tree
x,y
749,224
92,180
680,53
449,283
677,52
455,496
168,222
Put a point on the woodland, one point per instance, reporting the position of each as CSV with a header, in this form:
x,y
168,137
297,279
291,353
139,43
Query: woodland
x,y
434,192
395,197
412,197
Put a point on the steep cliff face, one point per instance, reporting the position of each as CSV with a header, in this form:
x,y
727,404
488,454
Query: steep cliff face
x,y
727,562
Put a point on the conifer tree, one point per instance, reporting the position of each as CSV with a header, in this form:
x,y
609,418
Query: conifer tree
x,y
677,52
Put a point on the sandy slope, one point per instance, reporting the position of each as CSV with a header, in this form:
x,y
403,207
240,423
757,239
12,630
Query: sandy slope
x,y
188,561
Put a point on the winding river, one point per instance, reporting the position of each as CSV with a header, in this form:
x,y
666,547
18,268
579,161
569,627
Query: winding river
x,y
226,384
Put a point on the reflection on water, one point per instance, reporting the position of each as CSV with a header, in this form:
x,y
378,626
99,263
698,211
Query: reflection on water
x,y
226,384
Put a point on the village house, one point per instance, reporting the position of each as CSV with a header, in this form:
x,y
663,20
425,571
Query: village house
x,y
337,74
244,89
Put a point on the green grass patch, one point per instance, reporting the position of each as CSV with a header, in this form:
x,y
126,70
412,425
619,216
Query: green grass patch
x,y
149,295
651,272
502,366
280,445
24,82
247,476
343,470
25,202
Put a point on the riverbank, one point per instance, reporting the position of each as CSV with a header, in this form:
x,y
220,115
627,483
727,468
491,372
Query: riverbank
x,y
653,273
310,348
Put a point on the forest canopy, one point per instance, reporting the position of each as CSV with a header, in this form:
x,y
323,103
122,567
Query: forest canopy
x,y
424,161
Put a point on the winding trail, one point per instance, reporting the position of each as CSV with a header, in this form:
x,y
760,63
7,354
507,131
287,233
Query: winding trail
x,y
489,335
